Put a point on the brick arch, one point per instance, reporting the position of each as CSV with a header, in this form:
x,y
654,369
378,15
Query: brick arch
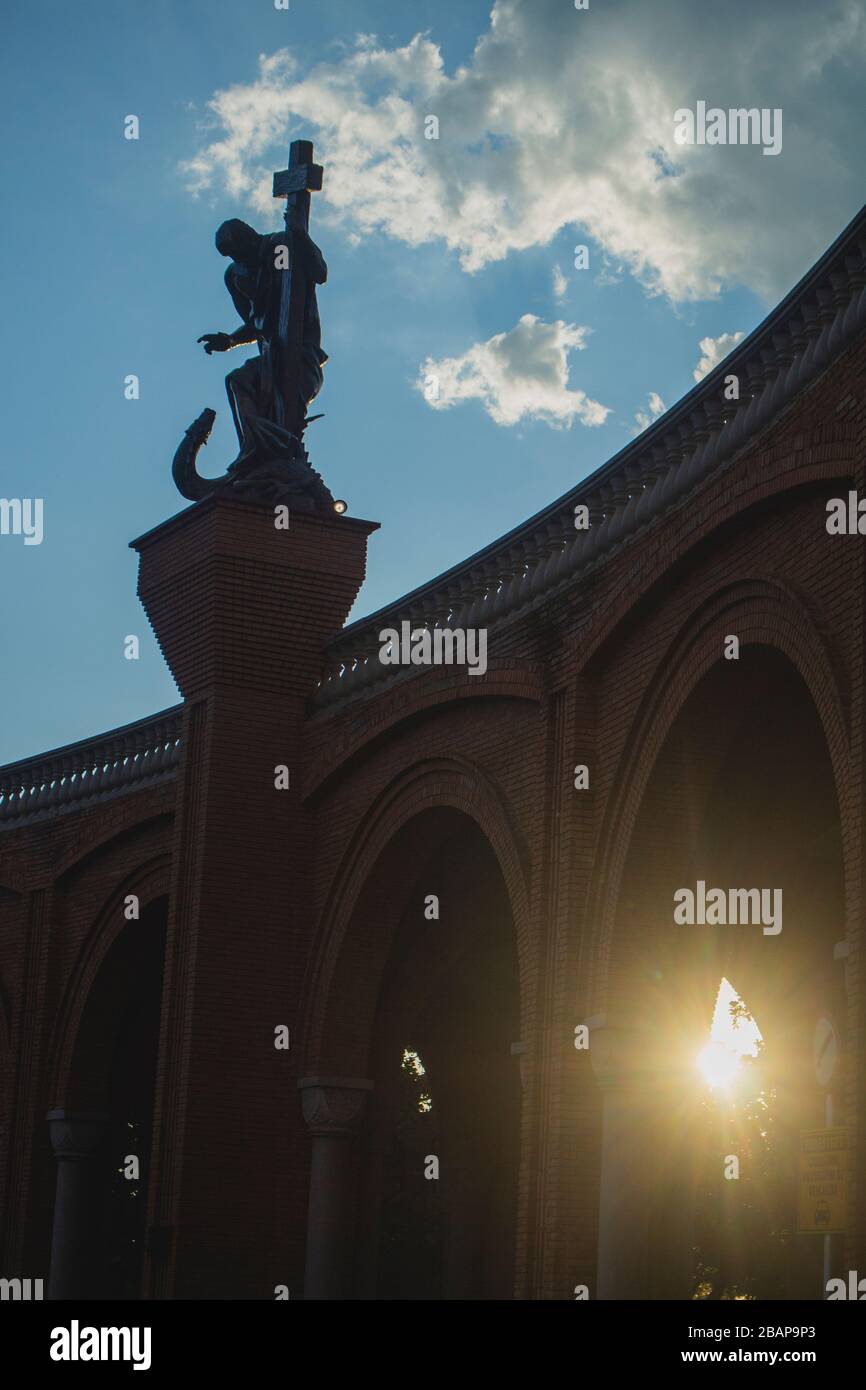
x,y
5,1044
761,613
6,887
6,1098
7,1072
692,527
88,846
15,880
426,692
436,783
150,881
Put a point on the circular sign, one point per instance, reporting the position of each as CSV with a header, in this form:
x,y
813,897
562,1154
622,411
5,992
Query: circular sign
x,y
826,1050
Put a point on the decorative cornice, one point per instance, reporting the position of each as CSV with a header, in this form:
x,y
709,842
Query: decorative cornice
x,y
694,440
73,778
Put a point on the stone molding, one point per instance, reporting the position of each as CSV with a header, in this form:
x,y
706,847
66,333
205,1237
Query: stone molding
x,y
334,1106
75,1137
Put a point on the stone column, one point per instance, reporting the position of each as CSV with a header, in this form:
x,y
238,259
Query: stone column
x,y
242,612
76,1141
333,1109
619,1062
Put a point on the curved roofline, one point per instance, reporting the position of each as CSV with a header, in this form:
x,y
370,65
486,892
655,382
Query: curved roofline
x,y
544,551
774,321
87,745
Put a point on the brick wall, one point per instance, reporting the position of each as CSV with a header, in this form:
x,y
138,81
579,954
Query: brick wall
x,y
265,887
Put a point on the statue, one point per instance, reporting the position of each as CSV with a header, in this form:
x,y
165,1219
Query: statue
x,y
272,282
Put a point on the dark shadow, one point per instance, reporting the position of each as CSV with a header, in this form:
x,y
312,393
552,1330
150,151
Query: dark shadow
x,y
449,1004
114,1073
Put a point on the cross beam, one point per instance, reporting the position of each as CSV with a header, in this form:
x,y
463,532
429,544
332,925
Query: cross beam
x,y
296,183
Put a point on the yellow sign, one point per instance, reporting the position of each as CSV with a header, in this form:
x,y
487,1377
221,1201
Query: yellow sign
x,y
823,1181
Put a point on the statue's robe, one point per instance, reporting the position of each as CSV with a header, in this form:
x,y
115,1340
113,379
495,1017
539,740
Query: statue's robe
x,y
256,292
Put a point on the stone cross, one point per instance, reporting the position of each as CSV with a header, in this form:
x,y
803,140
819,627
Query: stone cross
x,y
295,184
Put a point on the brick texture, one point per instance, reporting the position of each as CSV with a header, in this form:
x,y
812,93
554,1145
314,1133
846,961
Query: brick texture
x,y
283,904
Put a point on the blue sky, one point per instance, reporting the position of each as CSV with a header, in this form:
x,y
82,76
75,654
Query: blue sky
x,y
556,129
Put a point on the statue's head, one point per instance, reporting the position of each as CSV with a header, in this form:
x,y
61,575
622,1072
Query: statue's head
x,y
237,240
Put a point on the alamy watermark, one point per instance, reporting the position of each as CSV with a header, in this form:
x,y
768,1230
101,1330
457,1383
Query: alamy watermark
x,y
76,1343
738,126
719,907
21,1290
846,516
854,1289
437,646
22,516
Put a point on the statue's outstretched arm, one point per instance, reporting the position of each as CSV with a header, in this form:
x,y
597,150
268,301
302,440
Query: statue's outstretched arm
x,y
224,342
247,333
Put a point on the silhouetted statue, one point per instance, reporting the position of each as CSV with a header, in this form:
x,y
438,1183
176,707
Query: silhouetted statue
x,y
272,281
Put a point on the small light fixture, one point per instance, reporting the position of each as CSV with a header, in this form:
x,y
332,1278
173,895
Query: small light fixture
x,y
340,506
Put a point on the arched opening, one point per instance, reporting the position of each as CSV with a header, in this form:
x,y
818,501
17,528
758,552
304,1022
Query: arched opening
x,y
5,1110
734,874
9,914
112,1084
439,1152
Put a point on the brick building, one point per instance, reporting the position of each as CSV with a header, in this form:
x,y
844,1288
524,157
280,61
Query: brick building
x,y
437,900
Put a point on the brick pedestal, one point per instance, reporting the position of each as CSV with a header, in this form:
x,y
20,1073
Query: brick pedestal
x,y
334,1111
76,1141
241,611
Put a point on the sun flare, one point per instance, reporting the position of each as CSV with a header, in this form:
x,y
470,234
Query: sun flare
x,y
731,1039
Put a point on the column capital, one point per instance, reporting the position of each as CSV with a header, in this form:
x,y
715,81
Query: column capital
x,y
205,572
621,1053
76,1135
334,1105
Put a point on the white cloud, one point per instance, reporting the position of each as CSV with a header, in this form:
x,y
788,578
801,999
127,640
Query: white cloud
x,y
560,283
562,118
713,350
655,408
519,375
